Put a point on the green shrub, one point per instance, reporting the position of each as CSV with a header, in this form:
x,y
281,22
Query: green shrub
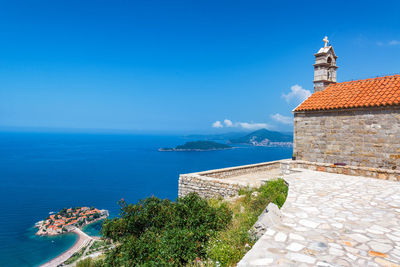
x,y
274,191
89,262
244,191
157,232
161,232
230,245
135,219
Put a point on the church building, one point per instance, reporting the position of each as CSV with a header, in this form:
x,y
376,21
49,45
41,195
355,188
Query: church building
x,y
354,123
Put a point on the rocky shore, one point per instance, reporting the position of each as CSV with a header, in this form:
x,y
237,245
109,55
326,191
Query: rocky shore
x,y
185,150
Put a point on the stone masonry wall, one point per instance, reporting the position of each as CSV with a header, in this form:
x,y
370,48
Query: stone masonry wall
x,y
213,183
207,187
241,170
359,137
288,166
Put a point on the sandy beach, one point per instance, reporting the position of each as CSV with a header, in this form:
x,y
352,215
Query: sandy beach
x,y
82,241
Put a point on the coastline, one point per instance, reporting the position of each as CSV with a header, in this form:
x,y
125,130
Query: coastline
x,y
189,150
21,247
83,240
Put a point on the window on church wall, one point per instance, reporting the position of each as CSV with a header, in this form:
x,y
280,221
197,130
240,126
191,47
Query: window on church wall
x,y
329,60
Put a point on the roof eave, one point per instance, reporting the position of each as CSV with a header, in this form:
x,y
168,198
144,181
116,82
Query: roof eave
x,y
394,105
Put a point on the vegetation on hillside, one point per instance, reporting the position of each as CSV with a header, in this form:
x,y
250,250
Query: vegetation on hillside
x,y
198,145
161,232
215,137
93,247
261,135
157,232
230,244
89,262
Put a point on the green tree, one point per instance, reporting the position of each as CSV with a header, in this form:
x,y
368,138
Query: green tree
x,y
161,232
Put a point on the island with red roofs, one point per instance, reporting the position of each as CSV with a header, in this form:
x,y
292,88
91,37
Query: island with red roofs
x,y
67,220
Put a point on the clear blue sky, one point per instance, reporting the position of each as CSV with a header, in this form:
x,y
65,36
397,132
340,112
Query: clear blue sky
x,y
180,66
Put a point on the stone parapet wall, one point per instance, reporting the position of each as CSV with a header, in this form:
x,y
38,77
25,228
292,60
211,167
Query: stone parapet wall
x,y
384,174
241,170
214,183
358,137
207,187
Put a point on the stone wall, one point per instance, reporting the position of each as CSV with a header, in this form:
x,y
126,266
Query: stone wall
x,y
288,166
207,187
214,183
358,137
241,170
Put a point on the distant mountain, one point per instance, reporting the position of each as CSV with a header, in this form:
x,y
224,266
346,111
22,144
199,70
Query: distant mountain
x,y
264,137
224,136
198,146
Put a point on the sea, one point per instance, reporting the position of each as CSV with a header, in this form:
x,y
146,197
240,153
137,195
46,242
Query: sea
x,y
42,173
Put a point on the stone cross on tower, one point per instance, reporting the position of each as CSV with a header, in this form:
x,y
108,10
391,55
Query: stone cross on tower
x,y
326,41
324,67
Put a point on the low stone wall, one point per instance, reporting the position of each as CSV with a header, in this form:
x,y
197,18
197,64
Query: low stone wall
x,y
207,187
241,170
213,183
384,174
269,217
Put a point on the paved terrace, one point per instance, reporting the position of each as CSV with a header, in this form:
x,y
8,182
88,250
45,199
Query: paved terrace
x,y
333,220
256,179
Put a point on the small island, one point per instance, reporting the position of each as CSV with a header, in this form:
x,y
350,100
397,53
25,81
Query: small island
x,y
198,146
67,220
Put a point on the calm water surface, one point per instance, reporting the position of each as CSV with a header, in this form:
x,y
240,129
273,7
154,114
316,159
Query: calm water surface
x,y
40,173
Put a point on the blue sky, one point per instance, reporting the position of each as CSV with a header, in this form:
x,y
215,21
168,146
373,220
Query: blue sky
x,y
180,66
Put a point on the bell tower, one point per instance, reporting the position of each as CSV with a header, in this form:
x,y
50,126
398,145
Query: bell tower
x,y
324,67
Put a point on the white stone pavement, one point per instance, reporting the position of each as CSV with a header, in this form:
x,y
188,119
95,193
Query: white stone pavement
x,y
333,220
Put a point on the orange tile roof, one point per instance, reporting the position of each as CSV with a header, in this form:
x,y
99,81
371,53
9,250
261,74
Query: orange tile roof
x,y
375,92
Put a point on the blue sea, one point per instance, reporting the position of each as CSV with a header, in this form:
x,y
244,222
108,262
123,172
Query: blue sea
x,y
45,172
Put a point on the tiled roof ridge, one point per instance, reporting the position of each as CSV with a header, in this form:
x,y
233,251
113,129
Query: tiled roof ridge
x,y
369,79
348,107
371,92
